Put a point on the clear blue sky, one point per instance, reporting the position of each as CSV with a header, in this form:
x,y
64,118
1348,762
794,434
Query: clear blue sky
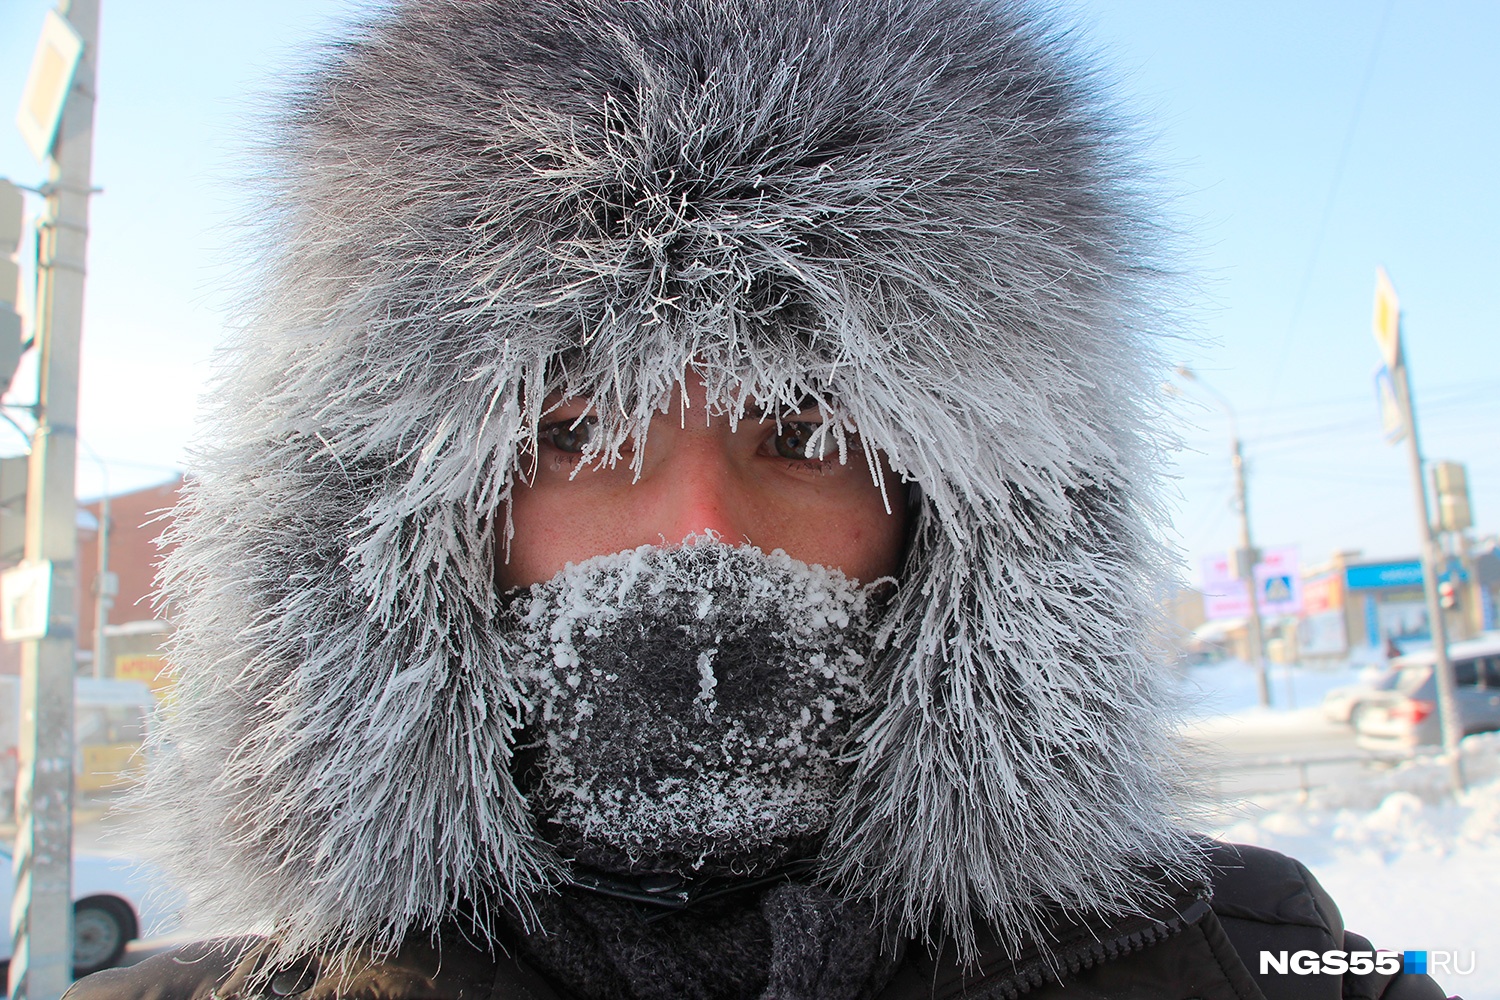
x,y
1305,143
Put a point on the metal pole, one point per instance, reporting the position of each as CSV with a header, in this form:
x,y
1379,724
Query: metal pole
x,y
1442,668
42,912
1246,565
1246,557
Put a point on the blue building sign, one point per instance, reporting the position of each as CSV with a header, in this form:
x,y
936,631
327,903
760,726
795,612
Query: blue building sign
x,y
1379,575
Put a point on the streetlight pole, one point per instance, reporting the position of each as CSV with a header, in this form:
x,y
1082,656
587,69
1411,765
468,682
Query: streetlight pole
x,y
1432,561
1388,321
42,910
1247,555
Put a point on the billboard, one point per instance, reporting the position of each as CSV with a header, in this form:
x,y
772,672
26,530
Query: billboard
x,y
1322,593
1278,585
1323,634
1373,576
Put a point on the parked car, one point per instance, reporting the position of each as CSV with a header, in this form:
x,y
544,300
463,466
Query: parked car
x,y
1406,717
115,900
1340,703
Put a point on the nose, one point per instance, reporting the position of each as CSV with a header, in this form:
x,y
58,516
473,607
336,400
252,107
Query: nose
x,y
693,491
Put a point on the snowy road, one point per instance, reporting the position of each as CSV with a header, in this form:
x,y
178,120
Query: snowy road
x,y
1253,752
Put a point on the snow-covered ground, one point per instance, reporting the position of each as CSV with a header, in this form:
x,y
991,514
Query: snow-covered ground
x,y
1412,866
1230,687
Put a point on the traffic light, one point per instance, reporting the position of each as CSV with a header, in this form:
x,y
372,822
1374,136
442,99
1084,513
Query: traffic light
x,y
1450,481
1448,594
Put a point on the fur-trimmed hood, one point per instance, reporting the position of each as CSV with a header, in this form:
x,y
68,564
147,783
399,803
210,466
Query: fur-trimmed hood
x,y
918,212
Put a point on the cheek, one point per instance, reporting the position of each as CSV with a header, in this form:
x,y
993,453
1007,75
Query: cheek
x,y
551,527
851,531
878,537
840,522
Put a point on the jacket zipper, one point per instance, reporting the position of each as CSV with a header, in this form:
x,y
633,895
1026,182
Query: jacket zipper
x,y
1086,954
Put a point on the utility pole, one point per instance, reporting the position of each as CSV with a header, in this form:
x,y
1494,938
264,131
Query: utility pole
x,y
1247,556
1245,560
1388,334
42,912
1432,562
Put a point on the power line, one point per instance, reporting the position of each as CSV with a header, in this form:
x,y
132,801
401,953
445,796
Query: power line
x,y
1476,388
1327,213
1297,431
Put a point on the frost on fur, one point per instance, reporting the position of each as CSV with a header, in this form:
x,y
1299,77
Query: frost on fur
x,y
914,211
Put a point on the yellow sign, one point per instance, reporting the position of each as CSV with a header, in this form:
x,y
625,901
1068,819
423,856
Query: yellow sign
x,y
57,54
1387,319
150,669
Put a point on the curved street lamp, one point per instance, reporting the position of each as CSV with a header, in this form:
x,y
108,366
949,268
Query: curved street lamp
x,y
1247,555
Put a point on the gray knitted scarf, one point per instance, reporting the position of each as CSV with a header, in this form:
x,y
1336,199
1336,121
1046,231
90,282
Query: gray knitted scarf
x,y
790,942
688,711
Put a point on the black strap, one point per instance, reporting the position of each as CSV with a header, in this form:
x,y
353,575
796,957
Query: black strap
x,y
669,893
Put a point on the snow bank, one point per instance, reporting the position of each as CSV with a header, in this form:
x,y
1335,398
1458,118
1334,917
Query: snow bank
x,y
1411,866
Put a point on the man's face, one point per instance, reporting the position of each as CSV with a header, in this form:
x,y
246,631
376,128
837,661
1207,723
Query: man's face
x,y
750,484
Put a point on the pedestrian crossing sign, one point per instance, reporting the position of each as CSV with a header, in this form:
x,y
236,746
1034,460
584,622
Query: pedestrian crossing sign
x,y
1276,590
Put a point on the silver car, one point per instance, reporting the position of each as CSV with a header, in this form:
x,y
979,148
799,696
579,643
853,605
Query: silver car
x,y
115,900
1405,717
1340,704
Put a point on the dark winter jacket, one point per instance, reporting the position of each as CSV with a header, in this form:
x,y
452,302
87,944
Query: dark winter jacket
x,y
1205,945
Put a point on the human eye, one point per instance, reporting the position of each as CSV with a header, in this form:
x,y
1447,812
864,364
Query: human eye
x,y
570,436
798,441
792,441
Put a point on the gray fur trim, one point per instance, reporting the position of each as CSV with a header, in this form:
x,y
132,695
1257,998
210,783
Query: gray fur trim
x,y
916,211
